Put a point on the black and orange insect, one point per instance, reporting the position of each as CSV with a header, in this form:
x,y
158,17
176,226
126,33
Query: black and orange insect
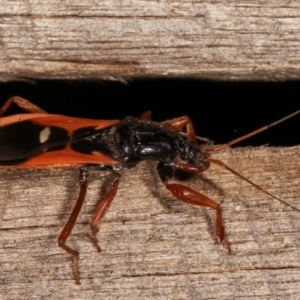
x,y
47,140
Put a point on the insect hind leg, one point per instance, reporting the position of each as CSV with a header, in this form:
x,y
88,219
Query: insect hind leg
x,y
83,177
23,103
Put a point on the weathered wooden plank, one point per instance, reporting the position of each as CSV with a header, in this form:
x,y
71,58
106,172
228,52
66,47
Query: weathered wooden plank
x,y
153,246
118,40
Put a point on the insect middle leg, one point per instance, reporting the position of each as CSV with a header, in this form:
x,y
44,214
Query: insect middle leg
x,y
23,103
191,196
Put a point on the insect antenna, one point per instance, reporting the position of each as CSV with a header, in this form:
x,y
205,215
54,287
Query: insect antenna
x,y
225,146
246,136
220,163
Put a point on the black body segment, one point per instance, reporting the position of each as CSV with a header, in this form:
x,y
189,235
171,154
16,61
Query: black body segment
x,y
139,140
132,140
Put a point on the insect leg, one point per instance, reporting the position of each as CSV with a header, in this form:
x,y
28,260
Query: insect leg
x,y
83,176
102,208
146,116
179,123
176,124
23,103
191,196
188,168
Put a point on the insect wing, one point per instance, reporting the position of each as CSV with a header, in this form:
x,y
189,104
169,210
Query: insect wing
x,y
24,137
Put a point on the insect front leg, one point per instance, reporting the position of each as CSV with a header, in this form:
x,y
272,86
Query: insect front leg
x,y
102,208
191,196
83,176
179,123
21,102
146,116
176,124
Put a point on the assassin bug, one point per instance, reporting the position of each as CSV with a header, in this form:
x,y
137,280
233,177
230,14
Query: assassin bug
x,y
47,140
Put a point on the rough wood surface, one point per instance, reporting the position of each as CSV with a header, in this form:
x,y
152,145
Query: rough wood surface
x,y
153,246
117,40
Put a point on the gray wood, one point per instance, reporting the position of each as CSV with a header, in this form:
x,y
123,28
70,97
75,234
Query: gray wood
x,y
153,246
119,40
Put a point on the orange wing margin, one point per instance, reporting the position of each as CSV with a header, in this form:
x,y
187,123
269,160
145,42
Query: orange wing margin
x,y
66,156
68,123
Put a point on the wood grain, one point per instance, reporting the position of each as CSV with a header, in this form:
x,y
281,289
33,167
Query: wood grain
x,y
119,40
153,246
